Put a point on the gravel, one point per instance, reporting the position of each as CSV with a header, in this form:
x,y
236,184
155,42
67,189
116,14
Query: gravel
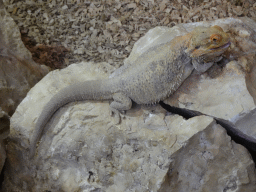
x,y
105,30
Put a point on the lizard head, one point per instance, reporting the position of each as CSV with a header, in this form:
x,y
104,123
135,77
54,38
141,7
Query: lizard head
x,y
208,43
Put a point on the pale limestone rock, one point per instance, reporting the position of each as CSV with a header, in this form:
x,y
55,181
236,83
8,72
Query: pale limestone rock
x,y
83,150
215,164
227,92
153,37
224,96
101,154
18,72
247,123
54,81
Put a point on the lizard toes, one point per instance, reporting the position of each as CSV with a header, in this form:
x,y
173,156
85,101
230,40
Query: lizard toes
x,y
116,114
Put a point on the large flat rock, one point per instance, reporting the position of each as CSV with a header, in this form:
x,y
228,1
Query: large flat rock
x,y
82,149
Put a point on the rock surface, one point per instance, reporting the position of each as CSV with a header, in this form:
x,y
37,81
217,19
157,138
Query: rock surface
x,y
83,150
215,164
227,90
247,123
225,96
222,91
83,144
18,72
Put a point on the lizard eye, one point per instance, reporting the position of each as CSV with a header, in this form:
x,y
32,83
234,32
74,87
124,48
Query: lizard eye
x,y
216,38
197,47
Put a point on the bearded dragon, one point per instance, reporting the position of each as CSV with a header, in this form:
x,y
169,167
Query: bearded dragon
x,y
156,74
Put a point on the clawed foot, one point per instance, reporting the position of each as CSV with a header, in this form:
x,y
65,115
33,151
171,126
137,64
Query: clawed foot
x,y
116,114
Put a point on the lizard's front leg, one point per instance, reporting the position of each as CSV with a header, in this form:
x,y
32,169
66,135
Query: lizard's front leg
x,y
121,102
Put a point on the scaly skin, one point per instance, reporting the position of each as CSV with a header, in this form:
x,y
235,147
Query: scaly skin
x,y
155,75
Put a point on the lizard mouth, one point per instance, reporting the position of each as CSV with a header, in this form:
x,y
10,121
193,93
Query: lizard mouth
x,y
223,46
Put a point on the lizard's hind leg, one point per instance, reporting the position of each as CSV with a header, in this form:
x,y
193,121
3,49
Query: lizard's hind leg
x,y
121,102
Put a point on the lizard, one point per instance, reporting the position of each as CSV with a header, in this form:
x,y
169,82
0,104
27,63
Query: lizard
x,y
155,74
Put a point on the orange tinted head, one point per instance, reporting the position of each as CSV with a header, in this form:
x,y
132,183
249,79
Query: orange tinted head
x,y
208,41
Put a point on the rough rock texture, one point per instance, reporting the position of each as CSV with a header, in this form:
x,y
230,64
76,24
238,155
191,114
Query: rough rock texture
x,y
197,168
18,72
225,91
159,72
247,123
225,96
221,92
82,149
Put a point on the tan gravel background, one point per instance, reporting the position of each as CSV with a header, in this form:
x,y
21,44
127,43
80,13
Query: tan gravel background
x,y
106,30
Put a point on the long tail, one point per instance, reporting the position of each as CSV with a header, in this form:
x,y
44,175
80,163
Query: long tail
x,y
89,90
